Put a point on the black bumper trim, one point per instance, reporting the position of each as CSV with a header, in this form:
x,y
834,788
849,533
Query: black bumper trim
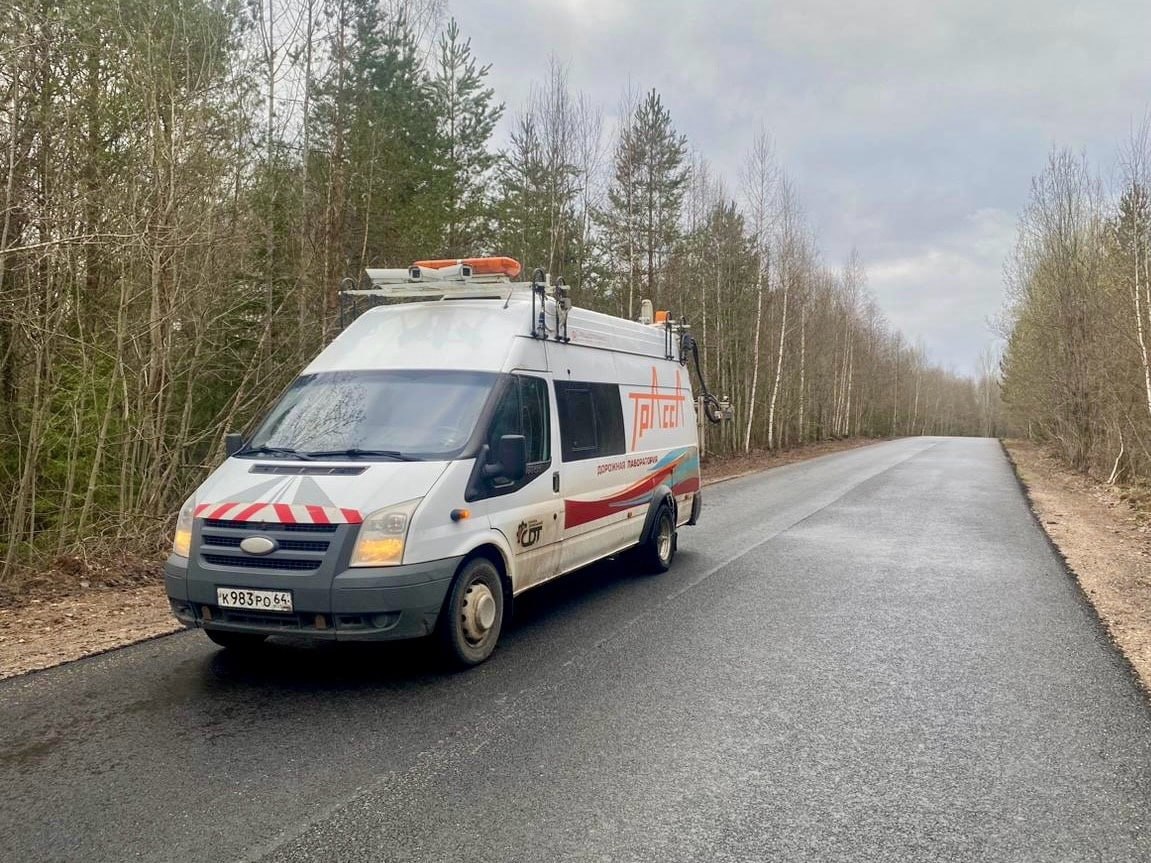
x,y
360,604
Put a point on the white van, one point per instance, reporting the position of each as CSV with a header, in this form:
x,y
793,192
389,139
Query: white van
x,y
439,458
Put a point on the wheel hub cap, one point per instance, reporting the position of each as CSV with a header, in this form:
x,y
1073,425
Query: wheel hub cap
x,y
479,612
665,539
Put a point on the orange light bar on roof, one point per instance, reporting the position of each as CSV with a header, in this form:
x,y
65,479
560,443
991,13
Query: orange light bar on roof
x,y
509,267
661,317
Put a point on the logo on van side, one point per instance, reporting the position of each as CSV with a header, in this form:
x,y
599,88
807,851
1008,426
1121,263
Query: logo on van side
x,y
529,532
656,410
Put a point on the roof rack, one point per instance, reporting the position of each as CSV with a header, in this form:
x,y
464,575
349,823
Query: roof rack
x,y
491,278
470,277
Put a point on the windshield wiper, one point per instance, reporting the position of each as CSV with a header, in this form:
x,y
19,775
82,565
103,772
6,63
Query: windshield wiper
x,y
356,452
274,450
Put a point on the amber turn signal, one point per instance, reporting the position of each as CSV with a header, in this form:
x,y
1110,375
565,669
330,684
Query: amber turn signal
x,y
460,514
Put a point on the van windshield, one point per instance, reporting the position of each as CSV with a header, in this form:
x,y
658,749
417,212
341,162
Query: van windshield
x,y
387,415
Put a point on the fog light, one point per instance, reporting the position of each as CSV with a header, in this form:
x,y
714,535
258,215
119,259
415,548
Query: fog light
x,y
386,620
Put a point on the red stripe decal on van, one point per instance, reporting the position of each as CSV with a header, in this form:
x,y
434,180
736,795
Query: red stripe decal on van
x,y
247,512
580,512
281,512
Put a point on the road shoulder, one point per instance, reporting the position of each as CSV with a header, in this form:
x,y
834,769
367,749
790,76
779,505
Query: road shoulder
x,y
1103,539
43,632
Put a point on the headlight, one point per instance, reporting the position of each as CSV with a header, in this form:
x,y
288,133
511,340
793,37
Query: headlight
x,y
182,541
382,536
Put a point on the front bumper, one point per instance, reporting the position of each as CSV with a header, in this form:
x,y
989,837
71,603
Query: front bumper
x,y
358,604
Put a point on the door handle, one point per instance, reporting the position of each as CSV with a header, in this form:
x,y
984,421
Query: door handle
x,y
556,481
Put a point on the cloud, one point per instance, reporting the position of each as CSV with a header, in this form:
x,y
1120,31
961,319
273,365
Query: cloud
x,y
911,127
948,292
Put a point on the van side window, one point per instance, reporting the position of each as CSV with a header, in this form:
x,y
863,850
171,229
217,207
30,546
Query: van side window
x,y
577,422
524,410
609,419
591,420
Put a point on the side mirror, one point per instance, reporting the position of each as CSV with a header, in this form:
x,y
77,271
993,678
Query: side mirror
x,y
511,459
233,443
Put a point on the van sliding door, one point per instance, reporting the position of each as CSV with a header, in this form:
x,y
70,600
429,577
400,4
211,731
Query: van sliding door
x,y
600,515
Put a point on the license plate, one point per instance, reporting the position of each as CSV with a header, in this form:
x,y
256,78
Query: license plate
x,y
257,600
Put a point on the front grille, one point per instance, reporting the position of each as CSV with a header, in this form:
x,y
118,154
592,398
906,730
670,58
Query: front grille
x,y
218,541
303,545
249,562
271,527
301,549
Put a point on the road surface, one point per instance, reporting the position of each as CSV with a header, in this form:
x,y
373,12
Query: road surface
x,y
873,655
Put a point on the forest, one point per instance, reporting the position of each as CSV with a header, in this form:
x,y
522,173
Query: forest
x,y
1076,371
187,185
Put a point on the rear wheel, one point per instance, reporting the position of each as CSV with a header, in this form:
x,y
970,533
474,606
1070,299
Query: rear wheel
x,y
473,614
657,553
235,640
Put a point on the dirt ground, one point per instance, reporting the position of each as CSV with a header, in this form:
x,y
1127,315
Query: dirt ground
x,y
43,633
1105,541
76,610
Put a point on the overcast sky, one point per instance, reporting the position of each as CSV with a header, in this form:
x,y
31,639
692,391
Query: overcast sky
x,y
911,127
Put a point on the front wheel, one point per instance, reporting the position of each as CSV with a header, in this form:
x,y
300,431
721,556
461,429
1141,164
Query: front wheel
x,y
658,551
235,640
473,614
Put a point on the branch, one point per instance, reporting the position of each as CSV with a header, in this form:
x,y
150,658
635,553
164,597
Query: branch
x,y
80,240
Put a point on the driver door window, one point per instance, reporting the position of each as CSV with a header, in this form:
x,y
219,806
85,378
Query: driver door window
x,y
524,410
529,513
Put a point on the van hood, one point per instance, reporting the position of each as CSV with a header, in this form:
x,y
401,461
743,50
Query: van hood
x,y
324,492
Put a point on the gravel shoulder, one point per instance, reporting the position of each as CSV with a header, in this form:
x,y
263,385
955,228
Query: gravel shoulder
x,y
61,618
1105,541
46,632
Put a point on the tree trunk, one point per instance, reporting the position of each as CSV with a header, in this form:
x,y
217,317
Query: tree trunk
x,y
771,441
755,358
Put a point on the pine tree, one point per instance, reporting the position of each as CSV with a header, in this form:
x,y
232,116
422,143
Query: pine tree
x,y
522,224
376,110
645,198
467,115
539,185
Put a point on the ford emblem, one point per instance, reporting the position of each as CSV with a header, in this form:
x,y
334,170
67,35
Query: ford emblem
x,y
258,545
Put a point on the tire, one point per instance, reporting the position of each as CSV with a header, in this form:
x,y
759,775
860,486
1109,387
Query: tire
x,y
473,614
235,640
658,551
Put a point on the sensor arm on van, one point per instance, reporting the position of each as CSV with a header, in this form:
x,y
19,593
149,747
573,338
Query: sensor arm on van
x,y
712,408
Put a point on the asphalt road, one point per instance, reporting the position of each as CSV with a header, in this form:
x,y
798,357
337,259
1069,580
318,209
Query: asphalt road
x,y
874,655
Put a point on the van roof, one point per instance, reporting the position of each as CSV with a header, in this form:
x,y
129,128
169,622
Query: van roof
x,y
475,334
